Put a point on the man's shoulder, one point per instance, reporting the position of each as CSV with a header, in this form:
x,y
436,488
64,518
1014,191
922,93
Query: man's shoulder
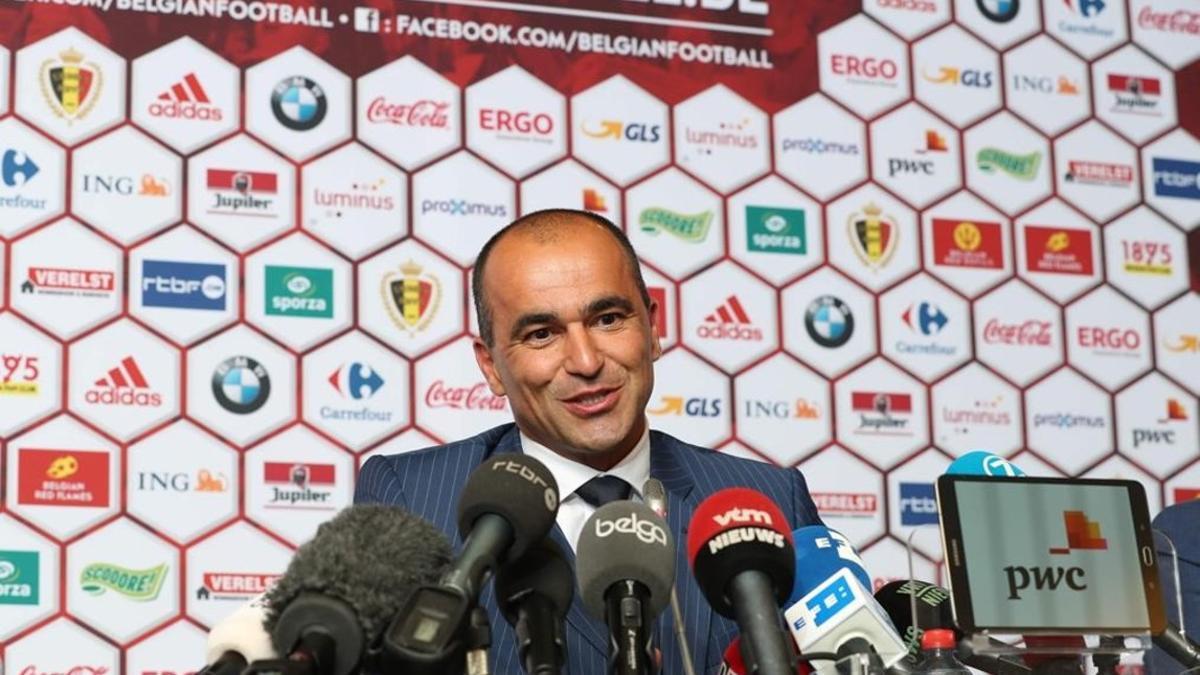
x,y
715,470
481,443
396,477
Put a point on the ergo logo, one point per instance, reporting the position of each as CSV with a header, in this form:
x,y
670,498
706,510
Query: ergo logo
x,y
647,531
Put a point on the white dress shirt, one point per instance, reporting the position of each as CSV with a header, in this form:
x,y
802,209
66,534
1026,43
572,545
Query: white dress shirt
x,y
573,512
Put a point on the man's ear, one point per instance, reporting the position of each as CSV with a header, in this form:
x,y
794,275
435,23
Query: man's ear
x,y
656,339
483,357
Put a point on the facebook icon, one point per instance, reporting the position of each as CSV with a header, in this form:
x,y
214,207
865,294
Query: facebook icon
x,y
918,504
828,601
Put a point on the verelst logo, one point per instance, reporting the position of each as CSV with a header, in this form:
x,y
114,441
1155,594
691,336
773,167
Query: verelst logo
x,y
298,103
19,578
1099,173
882,413
918,504
1056,250
301,485
1135,94
1179,178
234,585
242,193
185,100
729,322
691,228
1082,535
59,477
241,385
775,230
968,243
829,321
647,531
123,385
66,281
846,504
298,291
183,285
619,130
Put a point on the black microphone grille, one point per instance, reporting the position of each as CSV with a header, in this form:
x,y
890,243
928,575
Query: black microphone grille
x,y
519,489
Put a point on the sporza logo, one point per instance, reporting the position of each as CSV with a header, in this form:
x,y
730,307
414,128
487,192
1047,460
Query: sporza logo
x,y
299,291
183,285
647,531
19,578
775,230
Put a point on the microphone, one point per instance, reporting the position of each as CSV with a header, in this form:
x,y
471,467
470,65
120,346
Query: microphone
x,y
732,663
626,565
656,498
507,505
983,463
238,639
341,587
534,594
1179,647
742,557
831,609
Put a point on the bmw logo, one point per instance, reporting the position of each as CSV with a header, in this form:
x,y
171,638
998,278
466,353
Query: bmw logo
x,y
1000,11
298,103
829,321
241,385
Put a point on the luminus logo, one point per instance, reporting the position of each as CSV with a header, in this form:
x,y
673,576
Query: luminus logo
x,y
1082,534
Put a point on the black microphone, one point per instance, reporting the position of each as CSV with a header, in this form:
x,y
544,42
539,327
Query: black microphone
x,y
1179,647
507,505
625,560
534,594
341,588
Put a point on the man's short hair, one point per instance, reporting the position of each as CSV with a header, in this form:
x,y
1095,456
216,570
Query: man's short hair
x,y
544,225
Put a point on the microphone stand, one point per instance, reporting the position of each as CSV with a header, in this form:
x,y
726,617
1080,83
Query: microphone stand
x,y
479,640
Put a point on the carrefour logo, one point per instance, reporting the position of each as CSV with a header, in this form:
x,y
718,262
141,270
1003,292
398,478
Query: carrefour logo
x,y
183,285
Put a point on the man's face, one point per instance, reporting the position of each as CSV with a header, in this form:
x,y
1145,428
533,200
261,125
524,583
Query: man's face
x,y
574,345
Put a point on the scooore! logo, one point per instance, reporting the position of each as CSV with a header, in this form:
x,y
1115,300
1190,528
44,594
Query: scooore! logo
x,y
775,230
692,229
829,321
70,86
141,585
1022,167
298,103
183,285
19,578
299,291
241,385
647,531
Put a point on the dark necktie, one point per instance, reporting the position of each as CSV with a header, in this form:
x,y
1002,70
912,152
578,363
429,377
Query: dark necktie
x,y
604,489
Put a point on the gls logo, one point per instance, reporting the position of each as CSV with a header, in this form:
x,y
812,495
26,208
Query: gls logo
x,y
1082,535
646,531
618,130
509,466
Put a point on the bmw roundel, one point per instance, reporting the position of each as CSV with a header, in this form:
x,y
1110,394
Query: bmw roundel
x,y
298,103
1000,11
829,321
241,385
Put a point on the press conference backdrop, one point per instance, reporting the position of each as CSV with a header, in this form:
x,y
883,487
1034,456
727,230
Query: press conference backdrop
x,y
237,239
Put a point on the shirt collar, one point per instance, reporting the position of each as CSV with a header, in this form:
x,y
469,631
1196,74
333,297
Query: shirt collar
x,y
570,475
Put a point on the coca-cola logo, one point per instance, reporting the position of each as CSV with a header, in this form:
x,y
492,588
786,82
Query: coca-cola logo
x,y
1031,332
425,113
1179,21
73,670
475,397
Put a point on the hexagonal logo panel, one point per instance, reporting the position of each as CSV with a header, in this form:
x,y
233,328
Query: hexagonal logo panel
x,y
183,285
79,85
33,173
1046,85
42,651
1089,27
620,130
925,327
1097,172
825,163
1171,178
1058,250
664,293
962,89
1166,29
1156,425
1177,352
410,298
856,507
241,385
967,244
1007,163
567,185
296,481
909,18
241,193
298,291
4,80
775,230
914,502
413,439
1117,467
355,390
298,103
783,409
123,580
1065,410
1108,338
734,330
182,481
675,223
354,201
459,203
408,112
915,154
62,477
1018,333
888,561
126,185
863,66
123,379
1146,257
517,138
226,570
1001,23
882,413
873,237
721,138
30,374
453,399
167,651
829,322
1183,486
975,410
690,400
185,95
1134,94
66,278
30,565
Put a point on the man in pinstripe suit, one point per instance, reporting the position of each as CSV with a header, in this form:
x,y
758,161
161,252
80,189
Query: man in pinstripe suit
x,y
567,334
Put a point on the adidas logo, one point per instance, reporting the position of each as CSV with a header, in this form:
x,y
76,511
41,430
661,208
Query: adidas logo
x,y
123,385
185,100
729,322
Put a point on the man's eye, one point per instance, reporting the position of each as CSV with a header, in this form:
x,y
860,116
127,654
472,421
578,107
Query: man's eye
x,y
610,319
539,335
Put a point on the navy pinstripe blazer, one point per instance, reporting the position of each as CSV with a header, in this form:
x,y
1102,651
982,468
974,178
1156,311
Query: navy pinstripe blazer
x,y
428,482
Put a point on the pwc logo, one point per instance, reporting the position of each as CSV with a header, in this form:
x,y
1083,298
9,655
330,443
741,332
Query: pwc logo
x,y
647,531
1082,535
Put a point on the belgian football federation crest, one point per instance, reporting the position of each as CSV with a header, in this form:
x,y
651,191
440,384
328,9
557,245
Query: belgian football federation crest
x,y
873,236
412,297
71,86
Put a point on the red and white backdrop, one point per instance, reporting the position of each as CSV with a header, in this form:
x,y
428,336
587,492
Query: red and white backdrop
x,y
236,240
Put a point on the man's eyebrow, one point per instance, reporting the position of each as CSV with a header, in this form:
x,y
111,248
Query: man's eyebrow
x,y
606,303
526,320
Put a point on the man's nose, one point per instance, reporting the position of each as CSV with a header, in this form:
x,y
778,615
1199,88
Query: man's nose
x,y
582,357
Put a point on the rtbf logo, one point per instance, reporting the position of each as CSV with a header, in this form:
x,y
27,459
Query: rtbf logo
x,y
918,504
183,285
1082,535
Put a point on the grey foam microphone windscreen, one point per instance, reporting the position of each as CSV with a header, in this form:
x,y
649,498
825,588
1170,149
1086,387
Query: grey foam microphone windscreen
x,y
371,557
621,541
